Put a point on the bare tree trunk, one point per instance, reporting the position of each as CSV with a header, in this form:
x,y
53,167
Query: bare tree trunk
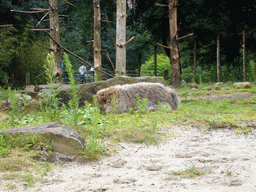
x,y
244,56
54,32
97,41
155,54
121,38
139,64
175,57
218,58
194,73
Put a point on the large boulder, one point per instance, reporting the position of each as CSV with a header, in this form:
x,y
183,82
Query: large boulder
x,y
242,85
125,97
64,140
88,90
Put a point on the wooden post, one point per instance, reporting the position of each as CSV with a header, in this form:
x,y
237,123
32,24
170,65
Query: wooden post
x,y
194,73
97,41
218,58
139,64
244,56
28,78
121,38
55,33
155,54
174,51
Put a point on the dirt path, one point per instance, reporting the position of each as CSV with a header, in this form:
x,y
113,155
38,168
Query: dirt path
x,y
136,167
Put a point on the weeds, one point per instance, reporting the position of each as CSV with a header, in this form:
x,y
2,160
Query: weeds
x,y
50,106
142,105
188,173
15,106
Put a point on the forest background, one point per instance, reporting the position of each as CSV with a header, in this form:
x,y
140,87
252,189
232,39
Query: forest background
x,y
23,50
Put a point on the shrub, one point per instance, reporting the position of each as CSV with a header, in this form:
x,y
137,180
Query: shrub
x,y
163,63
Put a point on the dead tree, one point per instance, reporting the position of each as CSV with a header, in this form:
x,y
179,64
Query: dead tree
x,y
218,58
244,56
55,33
174,44
121,38
97,41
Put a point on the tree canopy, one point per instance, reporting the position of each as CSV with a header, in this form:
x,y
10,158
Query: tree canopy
x,y
24,51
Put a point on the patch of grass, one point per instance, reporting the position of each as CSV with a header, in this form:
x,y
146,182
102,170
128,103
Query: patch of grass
x,y
188,173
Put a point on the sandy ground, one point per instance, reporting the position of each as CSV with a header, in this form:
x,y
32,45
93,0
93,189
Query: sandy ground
x,y
137,167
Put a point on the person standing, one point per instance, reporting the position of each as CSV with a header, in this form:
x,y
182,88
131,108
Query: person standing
x,y
82,71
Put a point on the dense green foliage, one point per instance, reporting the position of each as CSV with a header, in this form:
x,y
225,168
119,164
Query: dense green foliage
x,y
163,63
23,51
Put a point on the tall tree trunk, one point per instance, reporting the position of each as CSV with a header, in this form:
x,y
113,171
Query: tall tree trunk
x,y
55,33
194,73
174,52
244,56
121,38
97,41
218,58
155,55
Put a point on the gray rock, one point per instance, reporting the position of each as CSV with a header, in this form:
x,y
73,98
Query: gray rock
x,y
3,116
192,85
216,87
207,88
242,85
193,89
65,140
31,107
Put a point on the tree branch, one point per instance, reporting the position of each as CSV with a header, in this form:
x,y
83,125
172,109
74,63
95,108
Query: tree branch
x,y
69,3
19,11
129,40
39,9
39,29
109,59
163,46
8,25
42,18
110,29
185,36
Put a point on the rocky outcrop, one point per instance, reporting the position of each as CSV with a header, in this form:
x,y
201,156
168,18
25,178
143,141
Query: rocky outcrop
x,y
64,140
242,85
88,90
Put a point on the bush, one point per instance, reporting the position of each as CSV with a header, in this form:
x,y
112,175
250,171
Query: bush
x,y
163,63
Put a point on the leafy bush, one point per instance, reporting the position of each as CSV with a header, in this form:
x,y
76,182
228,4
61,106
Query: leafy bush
x,y
163,63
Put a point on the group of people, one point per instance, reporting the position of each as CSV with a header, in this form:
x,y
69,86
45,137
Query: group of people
x,y
82,71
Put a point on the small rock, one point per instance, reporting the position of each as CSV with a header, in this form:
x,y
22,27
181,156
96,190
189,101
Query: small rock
x,y
118,163
192,85
153,168
216,87
193,90
207,88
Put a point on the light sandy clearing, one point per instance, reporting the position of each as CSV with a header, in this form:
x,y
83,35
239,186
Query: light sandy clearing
x,y
136,167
